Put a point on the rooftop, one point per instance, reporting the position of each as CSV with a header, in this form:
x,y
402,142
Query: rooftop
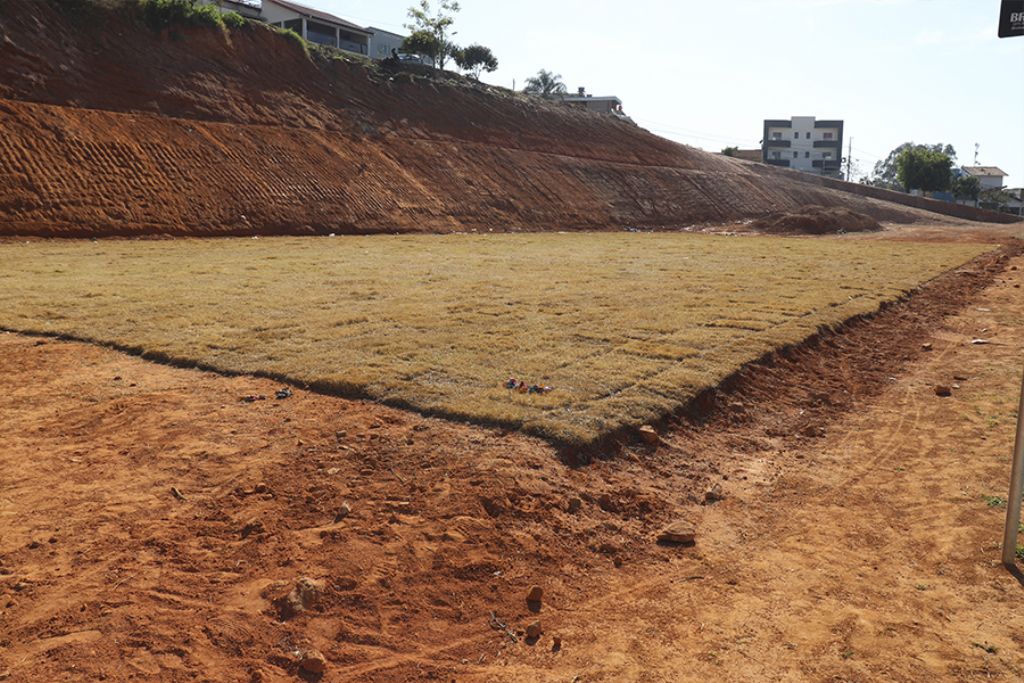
x,y
984,170
591,98
375,31
319,14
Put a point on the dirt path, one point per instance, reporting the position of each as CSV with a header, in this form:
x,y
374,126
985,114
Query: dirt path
x,y
874,556
857,547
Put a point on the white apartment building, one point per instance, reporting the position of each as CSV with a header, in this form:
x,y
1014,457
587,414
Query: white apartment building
x,y
805,144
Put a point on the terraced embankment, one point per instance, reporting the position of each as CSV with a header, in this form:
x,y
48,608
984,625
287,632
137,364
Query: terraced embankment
x,y
111,128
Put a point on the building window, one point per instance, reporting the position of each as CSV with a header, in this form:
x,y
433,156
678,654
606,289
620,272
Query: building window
x,y
796,155
775,155
293,25
796,135
808,135
828,136
807,155
826,155
321,34
776,135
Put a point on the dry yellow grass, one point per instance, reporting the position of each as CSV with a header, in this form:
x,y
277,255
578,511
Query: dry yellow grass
x,y
626,327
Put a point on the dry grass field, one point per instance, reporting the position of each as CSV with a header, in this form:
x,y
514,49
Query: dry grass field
x,y
625,327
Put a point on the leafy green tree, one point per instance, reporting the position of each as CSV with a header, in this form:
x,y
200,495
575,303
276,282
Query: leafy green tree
x,y
966,187
545,84
924,169
885,171
730,151
476,58
437,24
994,197
422,43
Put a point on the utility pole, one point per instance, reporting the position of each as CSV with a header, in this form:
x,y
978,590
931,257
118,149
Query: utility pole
x,y
976,146
849,160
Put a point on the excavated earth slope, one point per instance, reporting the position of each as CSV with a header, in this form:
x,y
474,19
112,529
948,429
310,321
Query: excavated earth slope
x,y
111,128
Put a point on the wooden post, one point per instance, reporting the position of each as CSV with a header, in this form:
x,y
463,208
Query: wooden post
x,y
1016,490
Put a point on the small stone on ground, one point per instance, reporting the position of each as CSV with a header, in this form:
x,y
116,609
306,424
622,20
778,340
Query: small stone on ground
x,y
678,533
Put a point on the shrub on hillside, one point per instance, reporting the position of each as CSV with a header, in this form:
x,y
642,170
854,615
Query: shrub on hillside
x,y
162,14
292,36
234,20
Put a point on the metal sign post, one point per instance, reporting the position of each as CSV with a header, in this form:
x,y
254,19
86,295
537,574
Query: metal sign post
x,y
1016,490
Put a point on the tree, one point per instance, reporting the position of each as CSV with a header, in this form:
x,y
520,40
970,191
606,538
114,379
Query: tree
x,y
438,25
545,84
994,198
730,151
885,171
966,187
476,58
924,169
422,43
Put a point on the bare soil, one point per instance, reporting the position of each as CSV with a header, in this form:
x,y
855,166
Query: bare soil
x,y
154,523
816,220
111,128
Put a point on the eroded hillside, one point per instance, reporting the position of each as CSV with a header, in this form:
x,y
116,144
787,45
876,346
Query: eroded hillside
x,y
111,128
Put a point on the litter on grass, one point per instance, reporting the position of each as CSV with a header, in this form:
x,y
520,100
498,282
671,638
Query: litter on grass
x,y
517,385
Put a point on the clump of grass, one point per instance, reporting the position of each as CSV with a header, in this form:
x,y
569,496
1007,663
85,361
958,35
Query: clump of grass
x,y
625,327
164,14
994,501
234,20
293,37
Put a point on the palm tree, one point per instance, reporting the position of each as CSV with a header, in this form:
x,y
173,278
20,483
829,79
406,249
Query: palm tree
x,y
545,84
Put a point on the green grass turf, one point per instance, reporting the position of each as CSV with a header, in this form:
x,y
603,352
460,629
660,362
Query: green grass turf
x,y
626,327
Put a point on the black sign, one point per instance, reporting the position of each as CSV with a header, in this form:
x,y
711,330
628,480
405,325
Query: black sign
x,y
1011,19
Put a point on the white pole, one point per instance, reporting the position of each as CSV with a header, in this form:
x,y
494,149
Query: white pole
x,y
1016,490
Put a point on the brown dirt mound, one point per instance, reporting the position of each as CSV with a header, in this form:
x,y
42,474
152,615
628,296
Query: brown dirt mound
x,y
816,220
111,128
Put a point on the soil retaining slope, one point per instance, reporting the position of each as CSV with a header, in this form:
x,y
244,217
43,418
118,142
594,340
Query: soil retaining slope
x,y
108,127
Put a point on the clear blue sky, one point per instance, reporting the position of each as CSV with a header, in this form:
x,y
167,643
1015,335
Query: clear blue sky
x,y
706,73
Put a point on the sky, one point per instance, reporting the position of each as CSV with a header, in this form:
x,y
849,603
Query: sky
x,y
708,72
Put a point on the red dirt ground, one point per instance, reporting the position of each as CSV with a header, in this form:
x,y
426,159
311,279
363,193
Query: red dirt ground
x,y
853,542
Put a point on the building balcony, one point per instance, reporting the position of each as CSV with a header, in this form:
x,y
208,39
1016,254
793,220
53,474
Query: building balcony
x,y
778,143
352,46
777,162
837,144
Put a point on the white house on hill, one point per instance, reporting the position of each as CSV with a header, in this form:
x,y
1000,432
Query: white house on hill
x,y
317,26
990,177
